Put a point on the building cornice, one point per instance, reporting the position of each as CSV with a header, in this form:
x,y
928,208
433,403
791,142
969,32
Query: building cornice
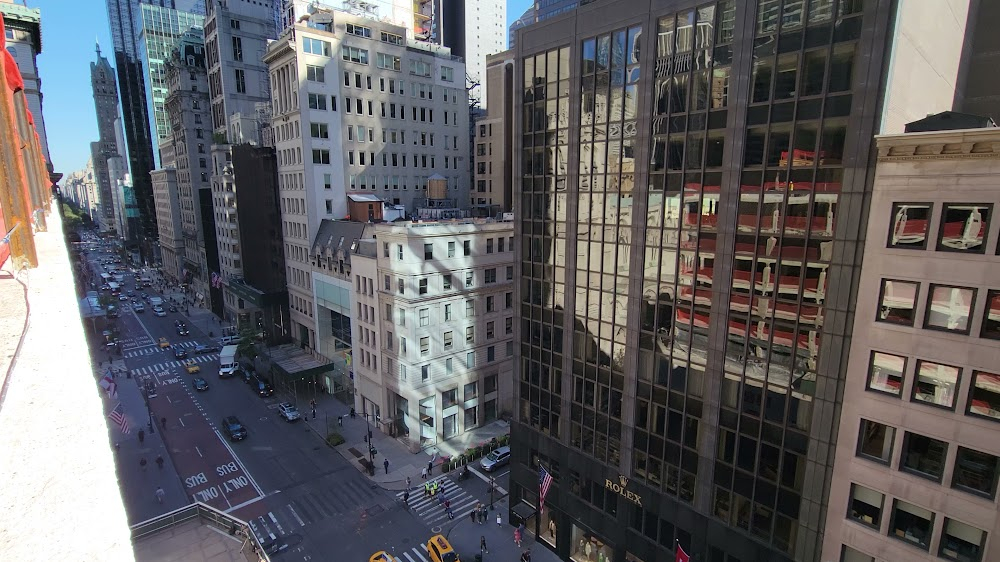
x,y
940,145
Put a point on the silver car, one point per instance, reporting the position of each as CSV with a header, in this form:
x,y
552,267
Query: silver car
x,y
288,411
496,459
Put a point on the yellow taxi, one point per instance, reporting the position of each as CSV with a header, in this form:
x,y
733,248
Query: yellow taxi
x,y
440,550
191,367
163,343
381,556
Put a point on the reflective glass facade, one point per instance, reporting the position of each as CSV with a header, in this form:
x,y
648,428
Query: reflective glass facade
x,y
682,177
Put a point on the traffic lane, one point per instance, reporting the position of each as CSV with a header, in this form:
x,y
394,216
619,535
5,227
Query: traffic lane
x,y
279,454
208,466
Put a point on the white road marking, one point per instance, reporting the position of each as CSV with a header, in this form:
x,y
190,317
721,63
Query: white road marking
x,y
181,420
199,451
296,515
239,462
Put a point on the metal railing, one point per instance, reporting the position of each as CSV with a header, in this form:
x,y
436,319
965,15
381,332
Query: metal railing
x,y
208,515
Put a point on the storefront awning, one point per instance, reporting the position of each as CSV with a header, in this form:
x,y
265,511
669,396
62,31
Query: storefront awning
x,y
524,510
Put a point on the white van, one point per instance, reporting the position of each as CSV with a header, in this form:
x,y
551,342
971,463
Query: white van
x,y
229,340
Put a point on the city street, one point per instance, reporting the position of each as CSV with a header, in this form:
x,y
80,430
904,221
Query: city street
x,y
283,479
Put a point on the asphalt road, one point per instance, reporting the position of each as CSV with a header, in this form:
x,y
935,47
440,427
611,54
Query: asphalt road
x,y
282,478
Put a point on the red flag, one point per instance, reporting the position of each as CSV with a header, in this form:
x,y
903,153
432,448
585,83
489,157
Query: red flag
x,y
681,555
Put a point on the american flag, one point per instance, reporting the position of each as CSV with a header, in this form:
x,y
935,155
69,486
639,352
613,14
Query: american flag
x,y
108,384
544,481
118,416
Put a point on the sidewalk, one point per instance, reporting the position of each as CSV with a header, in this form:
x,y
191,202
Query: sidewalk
x,y
464,536
402,463
139,486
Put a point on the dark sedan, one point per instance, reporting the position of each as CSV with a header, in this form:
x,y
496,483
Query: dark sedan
x,y
199,384
179,353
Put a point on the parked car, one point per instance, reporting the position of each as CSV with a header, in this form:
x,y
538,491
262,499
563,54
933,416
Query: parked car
x,y
199,384
262,387
496,459
233,428
289,412
179,353
245,374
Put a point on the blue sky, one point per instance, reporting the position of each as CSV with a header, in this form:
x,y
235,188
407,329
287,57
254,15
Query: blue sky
x,y
69,29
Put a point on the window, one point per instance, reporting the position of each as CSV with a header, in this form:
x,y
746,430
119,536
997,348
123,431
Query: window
x,y
490,304
399,251
358,30
422,286
446,281
848,554
898,302
467,248
470,360
508,300
948,308
936,384
237,49
866,506
449,398
241,81
470,334
447,74
508,325
388,62
468,279
976,472
923,456
319,130
449,340
984,395
315,47
315,73
329,206
490,384
470,308
911,523
402,372
490,330
425,372
402,316
875,441
491,354
401,286
317,101
391,38
510,272
354,54
321,156
991,316
963,228
425,346
491,275
910,222
451,249
886,373
428,251
447,312
420,68
449,367
327,181
388,312
424,315
961,542
500,244
510,349
402,345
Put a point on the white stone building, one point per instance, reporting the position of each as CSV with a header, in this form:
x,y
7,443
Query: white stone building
x,y
357,108
433,326
168,221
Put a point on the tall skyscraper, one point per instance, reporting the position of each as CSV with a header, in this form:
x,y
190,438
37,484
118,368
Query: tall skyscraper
x,y
105,91
22,26
694,179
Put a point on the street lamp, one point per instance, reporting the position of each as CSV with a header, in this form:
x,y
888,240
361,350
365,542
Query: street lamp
x,y
371,448
145,396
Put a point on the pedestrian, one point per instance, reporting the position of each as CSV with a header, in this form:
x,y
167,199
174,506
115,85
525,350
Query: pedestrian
x,y
485,513
385,463
427,489
430,467
482,544
423,473
517,537
163,422
499,520
447,505
142,436
522,529
407,482
472,514
406,498
142,463
159,494
451,515
159,462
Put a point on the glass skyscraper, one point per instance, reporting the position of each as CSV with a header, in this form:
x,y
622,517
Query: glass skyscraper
x,y
691,198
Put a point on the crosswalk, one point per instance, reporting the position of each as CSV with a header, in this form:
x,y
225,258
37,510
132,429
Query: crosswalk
x,y
151,349
415,554
167,365
431,509
314,507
